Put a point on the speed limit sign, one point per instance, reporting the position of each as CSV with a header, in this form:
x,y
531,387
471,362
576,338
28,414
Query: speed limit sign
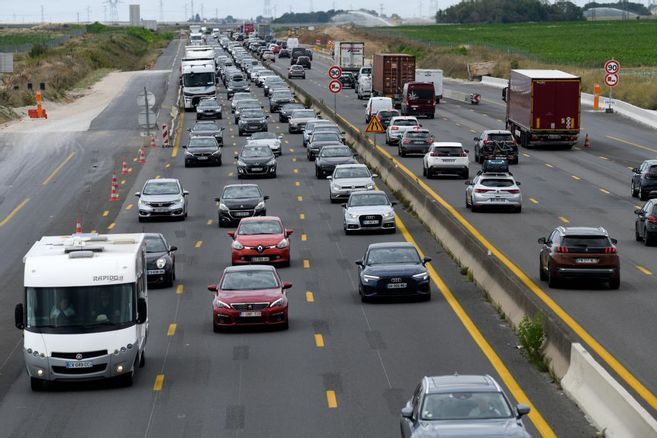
x,y
611,80
335,72
612,67
335,86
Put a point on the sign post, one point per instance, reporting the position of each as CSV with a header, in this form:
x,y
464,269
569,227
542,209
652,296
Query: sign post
x,y
335,86
612,78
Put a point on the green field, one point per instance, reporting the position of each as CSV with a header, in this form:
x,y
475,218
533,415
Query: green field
x,y
584,44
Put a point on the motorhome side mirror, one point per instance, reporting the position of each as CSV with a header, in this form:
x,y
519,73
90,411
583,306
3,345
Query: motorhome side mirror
x,y
522,410
614,241
173,248
639,212
542,240
407,412
19,319
212,287
287,285
138,194
359,262
426,259
142,311
266,198
231,234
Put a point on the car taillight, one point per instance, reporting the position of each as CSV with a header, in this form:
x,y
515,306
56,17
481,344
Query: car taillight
x,y
652,219
482,190
486,142
562,249
514,191
435,154
406,141
429,141
463,154
610,250
395,128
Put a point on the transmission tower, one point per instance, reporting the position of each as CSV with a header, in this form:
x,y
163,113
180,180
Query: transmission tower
x,y
312,7
113,10
161,11
266,10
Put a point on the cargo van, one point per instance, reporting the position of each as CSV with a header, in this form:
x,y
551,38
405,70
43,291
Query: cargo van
x,y
376,104
418,98
292,43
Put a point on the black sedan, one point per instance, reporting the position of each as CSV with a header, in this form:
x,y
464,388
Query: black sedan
x,y
331,156
286,110
645,226
296,71
347,79
202,150
284,53
304,61
208,109
207,128
393,269
256,160
238,201
160,260
252,120
279,98
644,180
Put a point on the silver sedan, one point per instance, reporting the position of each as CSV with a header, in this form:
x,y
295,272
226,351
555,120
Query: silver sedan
x,y
369,211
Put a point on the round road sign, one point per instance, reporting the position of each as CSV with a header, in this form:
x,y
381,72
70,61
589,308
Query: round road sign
x,y
612,67
335,72
335,86
611,80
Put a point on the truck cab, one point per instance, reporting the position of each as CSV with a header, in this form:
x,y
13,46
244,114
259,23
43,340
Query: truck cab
x,y
198,81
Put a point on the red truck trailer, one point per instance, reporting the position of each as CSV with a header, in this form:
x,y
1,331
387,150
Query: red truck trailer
x,y
543,107
390,71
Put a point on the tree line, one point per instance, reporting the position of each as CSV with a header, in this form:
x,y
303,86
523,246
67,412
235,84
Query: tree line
x,y
509,11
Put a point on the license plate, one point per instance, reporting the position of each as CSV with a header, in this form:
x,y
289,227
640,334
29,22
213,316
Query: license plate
x,y
160,210
256,169
371,222
201,158
241,213
396,285
554,137
253,126
259,259
79,364
449,160
500,157
155,271
250,314
586,260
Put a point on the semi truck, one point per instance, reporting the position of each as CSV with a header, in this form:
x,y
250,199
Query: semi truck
x,y
264,30
84,314
349,55
543,107
390,71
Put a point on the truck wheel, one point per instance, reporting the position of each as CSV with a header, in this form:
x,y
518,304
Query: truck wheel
x,y
432,116
524,140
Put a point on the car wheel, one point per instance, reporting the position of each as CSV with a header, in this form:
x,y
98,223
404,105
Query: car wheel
x,y
364,299
286,325
633,189
387,140
219,163
424,171
142,359
552,280
637,236
216,329
467,201
465,174
221,116
541,272
642,196
37,385
614,283
518,209
474,207
186,163
169,281
647,238
401,152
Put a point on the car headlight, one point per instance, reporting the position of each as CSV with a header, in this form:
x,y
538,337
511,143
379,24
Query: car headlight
x,y
236,245
260,205
221,305
283,244
161,263
282,301
368,277
241,122
229,89
370,186
241,163
352,216
388,214
188,153
179,202
271,162
223,207
334,186
421,276
218,151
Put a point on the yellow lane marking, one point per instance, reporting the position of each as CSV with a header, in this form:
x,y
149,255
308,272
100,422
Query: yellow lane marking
x,y
157,176
172,329
180,289
306,263
603,157
287,142
604,190
129,169
230,174
472,130
295,170
564,219
549,165
57,169
93,231
129,207
640,146
458,124
638,207
304,237
302,216
176,146
576,178
198,244
13,213
300,198
105,213
297,183
630,167
319,340
310,297
134,159
541,425
533,201
644,270
111,226
526,155
331,400
291,149
209,221
159,382
166,166
294,159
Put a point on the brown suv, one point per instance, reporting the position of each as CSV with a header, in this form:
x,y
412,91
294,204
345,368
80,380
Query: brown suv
x,y
579,252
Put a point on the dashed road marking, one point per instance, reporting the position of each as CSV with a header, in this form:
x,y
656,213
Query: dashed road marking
x,y
644,270
180,289
310,297
564,219
319,340
306,264
300,198
549,165
302,216
605,191
57,169
111,226
129,207
526,155
331,400
198,244
575,177
533,201
172,329
105,213
297,183
304,237
603,157
295,170
210,221
159,382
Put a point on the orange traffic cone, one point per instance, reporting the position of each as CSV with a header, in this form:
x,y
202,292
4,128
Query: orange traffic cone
x,y
587,144
124,168
152,141
78,226
141,159
114,194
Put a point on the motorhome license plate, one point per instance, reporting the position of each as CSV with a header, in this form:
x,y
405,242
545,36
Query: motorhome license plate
x,y
588,260
79,364
250,314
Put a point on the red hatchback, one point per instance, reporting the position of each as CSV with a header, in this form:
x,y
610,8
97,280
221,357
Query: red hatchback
x,y
249,295
261,239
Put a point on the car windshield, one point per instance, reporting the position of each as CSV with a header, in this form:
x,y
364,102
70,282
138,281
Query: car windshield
x,y
281,95
200,142
418,135
260,227
490,182
264,136
296,67
305,114
652,171
586,241
335,152
405,122
347,75
161,188
386,256
451,151
387,114
366,71
256,151
325,136
368,199
198,79
351,172
329,128
243,96
241,192
235,82
500,137
207,103
291,107
420,93
251,114
80,309
248,105
155,244
205,127
465,406
249,280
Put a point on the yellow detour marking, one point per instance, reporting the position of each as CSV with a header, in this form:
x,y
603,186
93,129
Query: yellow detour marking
x,y
374,127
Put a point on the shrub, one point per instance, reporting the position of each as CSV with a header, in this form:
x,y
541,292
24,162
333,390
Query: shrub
x,y
532,339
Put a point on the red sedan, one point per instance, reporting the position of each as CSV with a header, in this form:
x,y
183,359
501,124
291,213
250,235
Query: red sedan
x,y
249,295
261,239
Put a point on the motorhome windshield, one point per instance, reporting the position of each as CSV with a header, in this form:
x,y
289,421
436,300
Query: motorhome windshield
x,y
198,80
80,309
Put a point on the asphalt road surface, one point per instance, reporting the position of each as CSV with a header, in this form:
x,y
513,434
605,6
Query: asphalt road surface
x,y
343,369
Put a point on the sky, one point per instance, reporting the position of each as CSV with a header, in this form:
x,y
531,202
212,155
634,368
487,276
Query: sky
x,y
174,10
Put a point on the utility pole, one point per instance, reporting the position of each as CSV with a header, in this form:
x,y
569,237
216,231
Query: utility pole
x,y
312,8
42,20
381,9
161,11
192,10
202,14
78,14
186,16
88,14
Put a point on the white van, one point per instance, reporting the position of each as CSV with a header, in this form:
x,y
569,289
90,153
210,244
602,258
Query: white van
x,y
376,104
292,43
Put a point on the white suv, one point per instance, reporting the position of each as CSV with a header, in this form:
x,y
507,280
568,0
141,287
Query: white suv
x,y
446,157
398,126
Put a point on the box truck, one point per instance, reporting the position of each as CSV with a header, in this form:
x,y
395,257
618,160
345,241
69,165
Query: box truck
x,y
349,55
390,71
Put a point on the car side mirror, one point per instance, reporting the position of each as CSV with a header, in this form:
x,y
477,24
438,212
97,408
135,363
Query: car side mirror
x,y
184,146
505,94
639,212
188,129
407,411
185,193
138,194
288,233
426,260
217,199
287,285
359,263
614,241
635,170
375,175
173,248
330,178
266,198
468,182
419,126
393,203
142,311
212,287
476,139
231,234
344,205
467,151
19,318
542,240
518,183
522,410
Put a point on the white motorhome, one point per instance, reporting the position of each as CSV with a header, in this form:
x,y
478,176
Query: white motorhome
x,y
85,310
434,76
198,80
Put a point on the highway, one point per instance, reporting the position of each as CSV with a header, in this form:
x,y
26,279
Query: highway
x,y
587,187
342,369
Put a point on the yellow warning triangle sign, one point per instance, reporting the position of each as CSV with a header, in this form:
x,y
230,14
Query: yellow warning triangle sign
x,y
374,127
